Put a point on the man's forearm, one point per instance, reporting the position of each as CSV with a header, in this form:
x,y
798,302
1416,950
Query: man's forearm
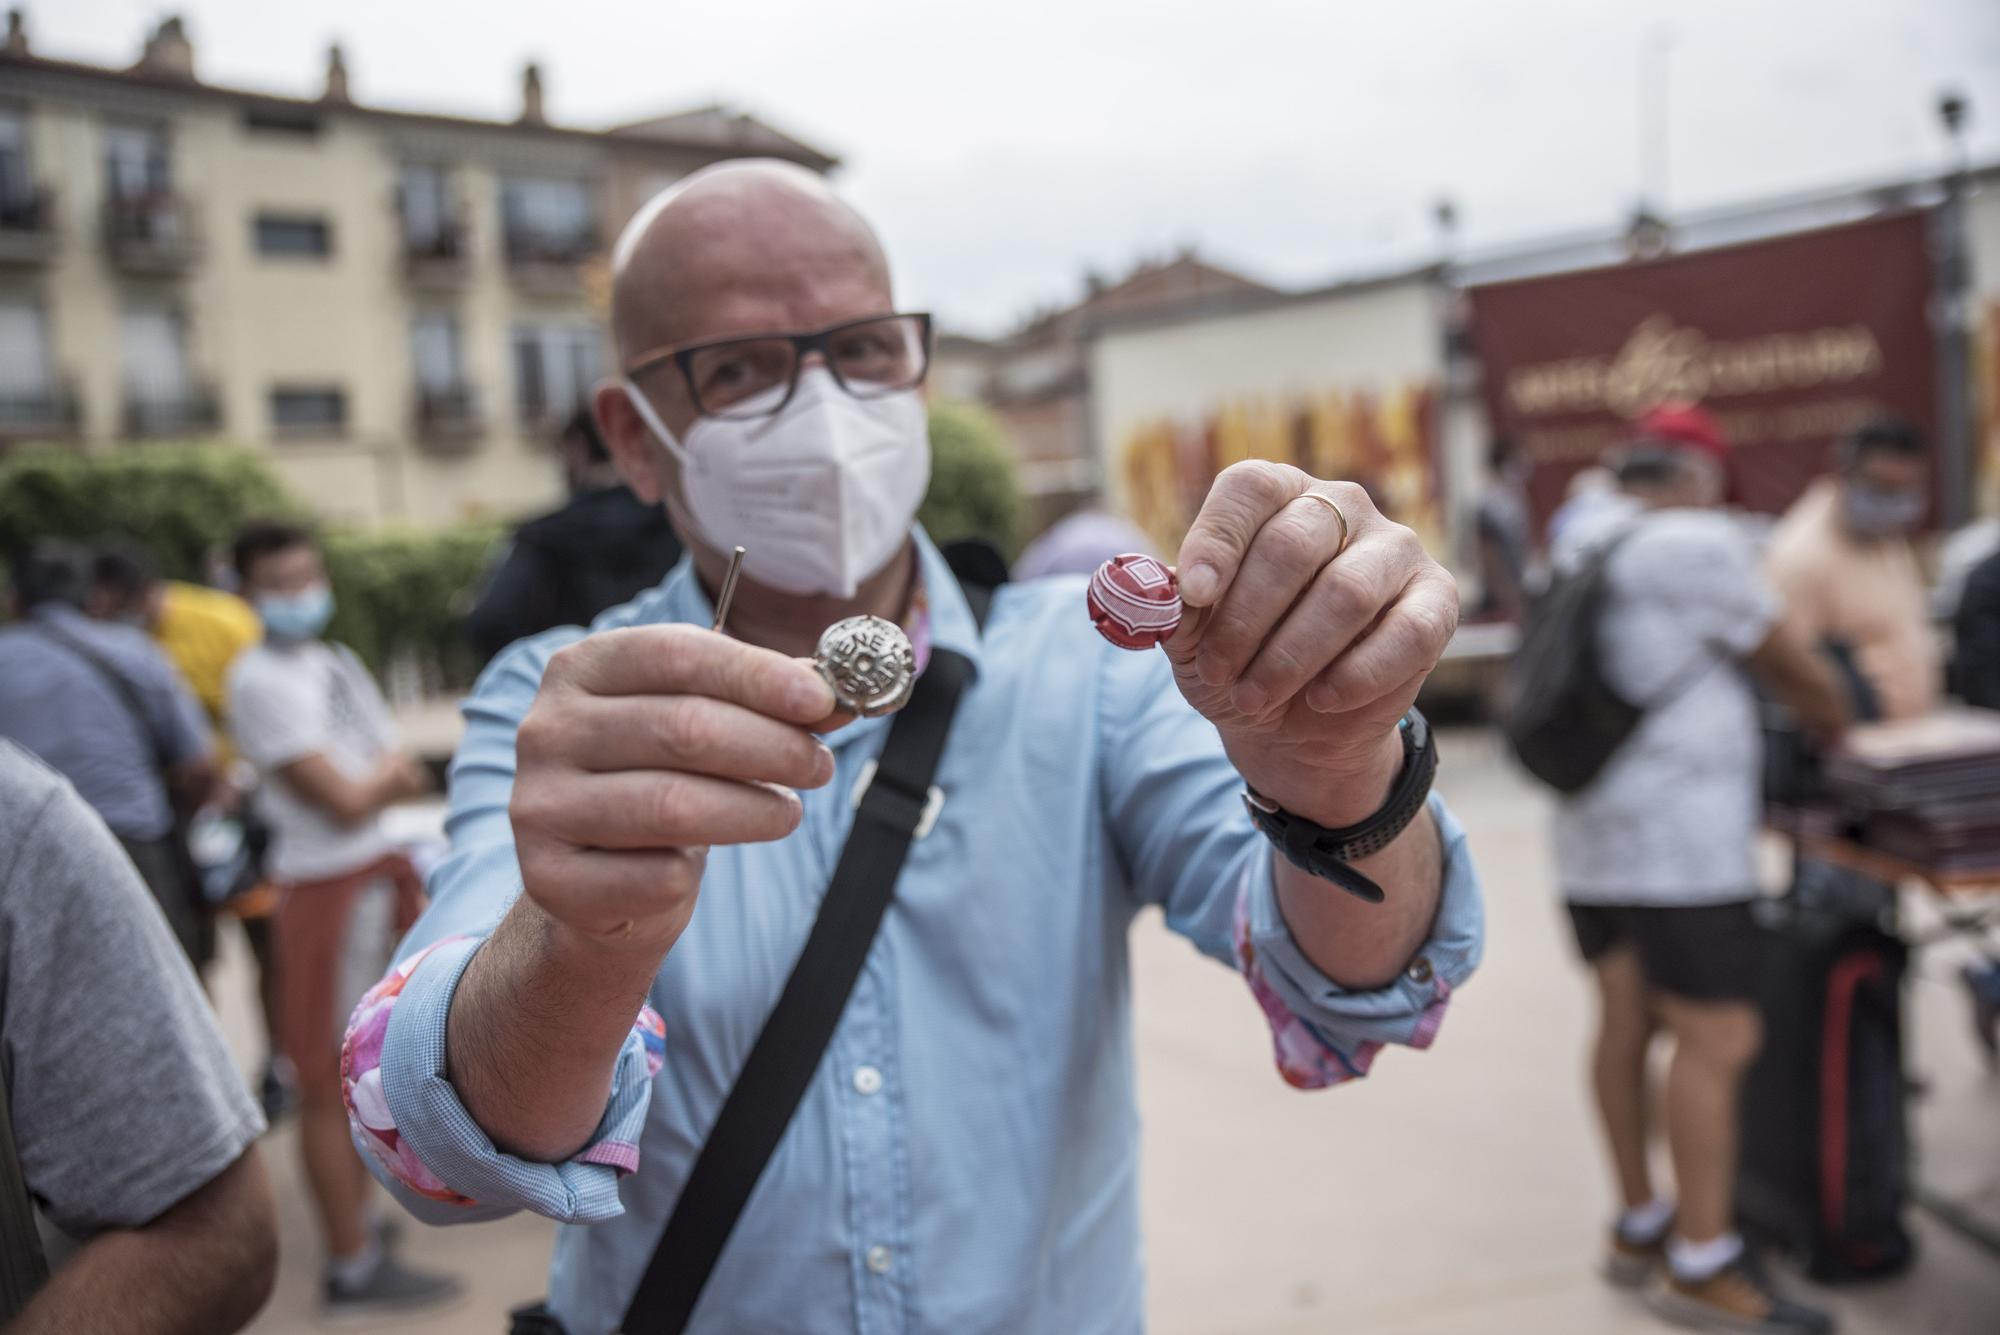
x,y
202,1268
1359,945
536,1027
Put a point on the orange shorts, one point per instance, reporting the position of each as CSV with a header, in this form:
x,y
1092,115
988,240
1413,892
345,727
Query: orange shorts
x,y
310,936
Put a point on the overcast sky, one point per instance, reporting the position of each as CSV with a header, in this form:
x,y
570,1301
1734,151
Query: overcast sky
x,y
1005,148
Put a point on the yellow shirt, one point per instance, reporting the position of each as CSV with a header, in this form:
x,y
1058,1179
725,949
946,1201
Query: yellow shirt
x,y
202,631
1869,595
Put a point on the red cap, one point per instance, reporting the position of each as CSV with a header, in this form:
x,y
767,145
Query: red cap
x,y
1685,424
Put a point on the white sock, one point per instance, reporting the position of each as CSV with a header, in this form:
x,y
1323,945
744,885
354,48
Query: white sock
x,y
1693,1262
1644,1223
351,1272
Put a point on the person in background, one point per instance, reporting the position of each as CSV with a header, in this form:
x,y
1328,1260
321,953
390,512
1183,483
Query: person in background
x,y
1655,858
1845,571
1590,489
202,631
103,707
602,546
1976,676
1078,544
1500,528
306,713
132,1127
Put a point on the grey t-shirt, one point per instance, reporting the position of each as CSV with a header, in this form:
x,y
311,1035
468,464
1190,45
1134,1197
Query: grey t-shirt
x,y
1673,817
124,1098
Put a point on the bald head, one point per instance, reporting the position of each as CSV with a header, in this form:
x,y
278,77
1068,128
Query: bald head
x,y
742,247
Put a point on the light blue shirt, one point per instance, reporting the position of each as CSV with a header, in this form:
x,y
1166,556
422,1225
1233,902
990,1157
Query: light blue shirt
x,y
967,1157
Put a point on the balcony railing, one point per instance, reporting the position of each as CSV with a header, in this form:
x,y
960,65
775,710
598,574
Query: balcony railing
x,y
549,261
187,410
442,259
27,228
47,412
449,418
152,233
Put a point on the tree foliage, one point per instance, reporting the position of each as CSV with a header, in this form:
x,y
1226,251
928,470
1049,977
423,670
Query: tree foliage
x,y
974,492
399,591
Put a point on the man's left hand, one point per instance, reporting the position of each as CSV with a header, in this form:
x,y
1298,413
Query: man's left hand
x,y
1305,654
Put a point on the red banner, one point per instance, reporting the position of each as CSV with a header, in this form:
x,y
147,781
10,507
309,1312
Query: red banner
x,y
1790,343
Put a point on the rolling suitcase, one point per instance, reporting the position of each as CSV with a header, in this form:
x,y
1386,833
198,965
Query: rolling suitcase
x,y
1825,1158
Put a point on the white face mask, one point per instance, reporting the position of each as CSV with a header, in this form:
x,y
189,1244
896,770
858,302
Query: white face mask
x,y
819,496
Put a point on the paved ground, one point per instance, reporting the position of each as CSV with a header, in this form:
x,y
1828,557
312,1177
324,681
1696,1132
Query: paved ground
x,y
1457,1193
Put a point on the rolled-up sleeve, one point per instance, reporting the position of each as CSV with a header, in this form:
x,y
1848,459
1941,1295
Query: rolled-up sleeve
x,y
405,1116
421,1142
1323,1034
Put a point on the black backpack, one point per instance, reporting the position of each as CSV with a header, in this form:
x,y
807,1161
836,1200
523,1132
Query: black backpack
x,y
1558,713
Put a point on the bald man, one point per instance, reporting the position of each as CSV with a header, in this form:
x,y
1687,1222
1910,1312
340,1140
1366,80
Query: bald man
x,y
646,816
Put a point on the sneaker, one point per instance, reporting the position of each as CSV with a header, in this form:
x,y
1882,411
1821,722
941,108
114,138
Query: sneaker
x,y
276,1092
1735,1298
392,1290
1630,1261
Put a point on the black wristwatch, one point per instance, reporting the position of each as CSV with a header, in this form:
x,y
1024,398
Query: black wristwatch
x,y
1330,854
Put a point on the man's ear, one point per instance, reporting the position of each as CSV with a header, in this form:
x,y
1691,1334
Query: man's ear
x,y
632,446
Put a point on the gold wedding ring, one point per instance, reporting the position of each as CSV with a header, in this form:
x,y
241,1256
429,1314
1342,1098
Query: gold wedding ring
x,y
1330,504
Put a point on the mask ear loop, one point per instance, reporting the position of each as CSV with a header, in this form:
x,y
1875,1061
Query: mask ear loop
x,y
644,407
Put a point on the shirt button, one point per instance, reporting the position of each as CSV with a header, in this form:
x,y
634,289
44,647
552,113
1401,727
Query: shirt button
x,y
867,1080
878,1258
1420,970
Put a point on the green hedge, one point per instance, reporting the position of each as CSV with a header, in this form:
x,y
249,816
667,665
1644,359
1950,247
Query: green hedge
x,y
400,591
404,591
180,502
974,493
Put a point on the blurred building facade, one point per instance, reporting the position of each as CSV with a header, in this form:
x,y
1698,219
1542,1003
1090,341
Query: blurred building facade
x,y
400,307
1036,380
1376,378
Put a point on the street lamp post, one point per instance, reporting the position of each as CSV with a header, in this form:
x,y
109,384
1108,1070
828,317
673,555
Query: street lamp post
x,y
1951,313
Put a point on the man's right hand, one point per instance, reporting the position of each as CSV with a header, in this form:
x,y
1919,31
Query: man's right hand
x,y
643,747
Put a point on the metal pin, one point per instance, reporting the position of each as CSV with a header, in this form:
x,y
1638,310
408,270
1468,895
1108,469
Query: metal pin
x,y
722,599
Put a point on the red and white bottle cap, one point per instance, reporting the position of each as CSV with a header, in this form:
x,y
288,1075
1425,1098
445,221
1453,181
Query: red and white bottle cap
x,y
1135,601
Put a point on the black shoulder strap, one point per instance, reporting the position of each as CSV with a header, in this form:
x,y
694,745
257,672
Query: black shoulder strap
x,y
127,693
781,1064
22,1266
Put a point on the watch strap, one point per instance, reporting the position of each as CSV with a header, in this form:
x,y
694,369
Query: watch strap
x,y
1331,853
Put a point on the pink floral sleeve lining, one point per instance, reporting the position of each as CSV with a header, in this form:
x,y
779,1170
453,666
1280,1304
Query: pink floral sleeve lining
x,y
368,1109
1305,1059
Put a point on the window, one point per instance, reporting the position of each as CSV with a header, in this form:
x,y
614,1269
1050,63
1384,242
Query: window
x,y
426,208
281,118
554,369
317,410
293,234
27,380
161,395
135,159
17,179
434,349
547,218
153,340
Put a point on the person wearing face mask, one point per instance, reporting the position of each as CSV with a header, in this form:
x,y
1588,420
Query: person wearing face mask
x,y
565,1024
1847,575
306,713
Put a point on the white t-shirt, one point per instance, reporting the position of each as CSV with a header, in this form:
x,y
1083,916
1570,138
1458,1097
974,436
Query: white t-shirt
x,y
1673,817
288,701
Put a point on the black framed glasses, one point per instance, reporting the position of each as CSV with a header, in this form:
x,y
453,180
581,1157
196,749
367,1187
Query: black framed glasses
x,y
756,375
